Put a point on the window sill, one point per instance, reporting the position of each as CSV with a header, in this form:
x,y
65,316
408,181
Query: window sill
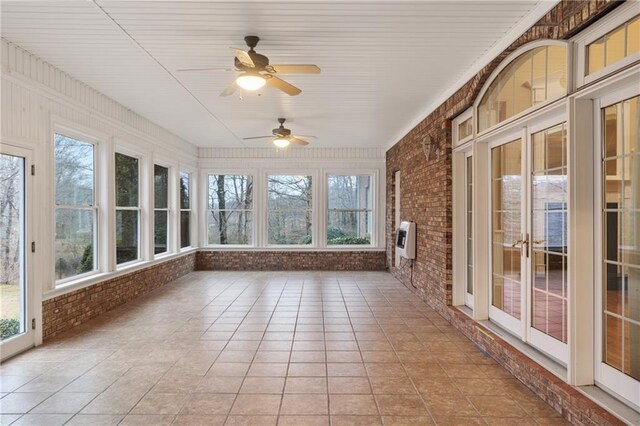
x,y
103,276
292,248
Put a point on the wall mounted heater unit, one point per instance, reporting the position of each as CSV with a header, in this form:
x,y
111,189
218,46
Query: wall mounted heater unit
x,y
406,240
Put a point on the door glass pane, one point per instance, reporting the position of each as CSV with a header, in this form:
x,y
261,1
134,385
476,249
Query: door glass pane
x,y
621,231
549,232
506,275
12,284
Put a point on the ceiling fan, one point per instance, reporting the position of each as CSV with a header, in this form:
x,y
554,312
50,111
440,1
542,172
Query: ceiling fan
x,y
256,71
282,137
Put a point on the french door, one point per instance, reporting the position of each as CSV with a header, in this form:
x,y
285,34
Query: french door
x,y
618,301
16,294
528,285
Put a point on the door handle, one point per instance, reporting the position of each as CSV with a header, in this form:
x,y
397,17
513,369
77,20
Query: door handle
x,y
524,244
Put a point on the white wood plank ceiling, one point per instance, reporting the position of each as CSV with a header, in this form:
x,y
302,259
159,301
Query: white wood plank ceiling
x,y
384,63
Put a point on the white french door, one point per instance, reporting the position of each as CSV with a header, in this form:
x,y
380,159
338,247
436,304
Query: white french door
x,y
617,316
528,282
16,293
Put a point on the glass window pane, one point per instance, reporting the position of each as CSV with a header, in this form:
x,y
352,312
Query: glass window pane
x,y
289,227
523,88
230,192
633,36
348,227
160,218
74,166
185,190
349,192
74,242
621,246
185,229
289,192
126,181
126,236
556,71
230,227
595,53
160,186
539,75
615,46
465,128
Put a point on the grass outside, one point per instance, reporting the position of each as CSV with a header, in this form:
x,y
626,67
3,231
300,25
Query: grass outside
x,y
10,301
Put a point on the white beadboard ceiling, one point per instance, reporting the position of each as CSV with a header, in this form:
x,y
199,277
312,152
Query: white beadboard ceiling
x,y
385,64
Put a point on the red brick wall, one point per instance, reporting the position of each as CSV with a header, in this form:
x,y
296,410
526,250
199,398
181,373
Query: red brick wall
x,y
71,309
426,198
291,261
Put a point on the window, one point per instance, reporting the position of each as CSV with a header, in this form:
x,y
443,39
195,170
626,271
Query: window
x,y
614,46
161,209
230,216
289,210
621,228
534,77
465,129
127,208
469,228
185,210
75,207
349,218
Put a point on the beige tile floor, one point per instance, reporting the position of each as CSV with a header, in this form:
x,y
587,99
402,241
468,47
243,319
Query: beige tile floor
x,y
267,348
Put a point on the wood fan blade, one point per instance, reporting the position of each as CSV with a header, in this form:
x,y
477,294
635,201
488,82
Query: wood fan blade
x,y
305,136
230,90
204,69
298,141
258,137
287,88
295,69
243,57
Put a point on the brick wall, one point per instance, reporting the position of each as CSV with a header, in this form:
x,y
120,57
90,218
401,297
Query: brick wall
x,y
423,157
71,309
291,261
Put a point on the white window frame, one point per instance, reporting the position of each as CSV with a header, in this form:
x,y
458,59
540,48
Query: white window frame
x,y
205,208
125,151
373,192
170,209
506,62
192,207
613,20
100,222
466,115
605,376
316,232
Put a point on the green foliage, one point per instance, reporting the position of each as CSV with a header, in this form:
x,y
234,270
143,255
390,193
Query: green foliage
x,y
9,327
333,233
86,263
347,240
306,239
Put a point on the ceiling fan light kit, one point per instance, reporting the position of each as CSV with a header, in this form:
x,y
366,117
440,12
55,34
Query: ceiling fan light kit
x,y
256,72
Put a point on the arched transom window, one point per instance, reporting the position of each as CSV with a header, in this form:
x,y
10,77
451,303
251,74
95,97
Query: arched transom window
x,y
536,76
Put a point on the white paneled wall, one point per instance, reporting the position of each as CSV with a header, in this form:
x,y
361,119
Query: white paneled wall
x,y
36,99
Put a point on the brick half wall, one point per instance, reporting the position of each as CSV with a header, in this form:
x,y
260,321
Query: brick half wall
x,y
290,261
69,310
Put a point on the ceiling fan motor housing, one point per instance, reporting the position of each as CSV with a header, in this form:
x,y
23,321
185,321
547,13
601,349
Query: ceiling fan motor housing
x,y
281,131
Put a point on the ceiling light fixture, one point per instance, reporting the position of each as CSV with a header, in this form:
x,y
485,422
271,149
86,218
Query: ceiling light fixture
x,y
281,142
251,81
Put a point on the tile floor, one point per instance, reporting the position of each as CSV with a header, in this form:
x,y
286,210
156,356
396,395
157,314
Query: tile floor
x,y
266,348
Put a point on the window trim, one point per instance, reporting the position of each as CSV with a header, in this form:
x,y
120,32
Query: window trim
x,y
504,64
623,14
192,207
467,114
205,208
324,214
170,194
123,151
98,226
